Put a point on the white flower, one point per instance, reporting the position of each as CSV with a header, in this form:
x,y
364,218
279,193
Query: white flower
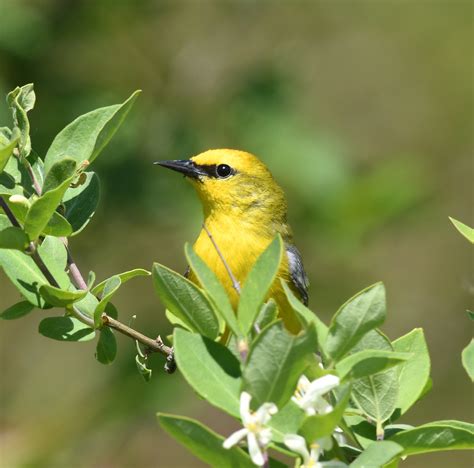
x,y
310,457
309,395
258,435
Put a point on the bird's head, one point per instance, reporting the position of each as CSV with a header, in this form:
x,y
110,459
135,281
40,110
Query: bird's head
x,y
232,181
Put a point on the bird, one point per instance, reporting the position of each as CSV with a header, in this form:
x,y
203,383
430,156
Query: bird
x,y
244,209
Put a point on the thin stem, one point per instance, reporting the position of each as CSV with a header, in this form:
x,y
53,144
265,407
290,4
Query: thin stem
x,y
9,212
36,184
74,271
233,279
41,265
152,345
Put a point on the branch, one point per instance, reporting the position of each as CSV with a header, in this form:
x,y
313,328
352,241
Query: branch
x,y
233,279
9,213
152,345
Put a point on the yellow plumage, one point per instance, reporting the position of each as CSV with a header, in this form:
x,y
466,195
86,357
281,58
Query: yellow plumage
x,y
244,208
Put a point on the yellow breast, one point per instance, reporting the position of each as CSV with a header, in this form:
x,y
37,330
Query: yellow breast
x,y
240,249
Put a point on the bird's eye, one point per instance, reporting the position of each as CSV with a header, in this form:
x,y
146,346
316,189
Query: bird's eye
x,y
223,170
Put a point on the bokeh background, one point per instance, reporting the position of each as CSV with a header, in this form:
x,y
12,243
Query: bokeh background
x,y
363,110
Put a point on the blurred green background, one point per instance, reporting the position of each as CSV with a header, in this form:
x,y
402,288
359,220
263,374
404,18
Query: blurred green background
x,y
362,110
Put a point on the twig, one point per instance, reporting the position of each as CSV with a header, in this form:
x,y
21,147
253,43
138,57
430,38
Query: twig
x,y
153,345
36,184
233,279
9,213
74,271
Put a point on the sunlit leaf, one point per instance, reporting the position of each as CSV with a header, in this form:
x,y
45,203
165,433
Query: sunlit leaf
x,y
214,289
466,231
361,313
413,374
468,359
210,368
185,301
377,454
59,297
275,363
258,283
85,137
369,362
124,277
436,436
203,443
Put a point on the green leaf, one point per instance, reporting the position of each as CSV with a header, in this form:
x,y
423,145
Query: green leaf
x,y
111,310
436,436
65,329
321,425
275,363
17,310
361,313
24,274
58,226
468,359
13,238
287,421
466,231
19,205
59,297
21,100
203,443
85,137
413,374
90,279
124,277
110,288
306,316
214,289
10,178
81,201
376,395
87,305
144,371
268,314
185,300
210,368
377,454
369,362
7,150
258,283
42,209
106,346
61,171
54,255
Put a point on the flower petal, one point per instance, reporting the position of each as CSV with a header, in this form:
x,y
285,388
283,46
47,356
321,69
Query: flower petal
x,y
235,438
323,384
265,412
297,444
254,450
264,436
303,382
245,406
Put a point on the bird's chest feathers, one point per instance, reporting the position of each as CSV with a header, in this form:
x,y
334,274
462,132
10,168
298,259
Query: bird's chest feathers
x,y
240,246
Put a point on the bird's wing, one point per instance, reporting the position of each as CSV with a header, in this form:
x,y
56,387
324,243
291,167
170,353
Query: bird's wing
x,y
297,273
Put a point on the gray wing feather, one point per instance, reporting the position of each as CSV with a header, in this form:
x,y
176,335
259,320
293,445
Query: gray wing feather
x,y
297,273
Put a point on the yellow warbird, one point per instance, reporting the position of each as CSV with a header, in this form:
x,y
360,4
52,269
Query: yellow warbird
x,y
244,209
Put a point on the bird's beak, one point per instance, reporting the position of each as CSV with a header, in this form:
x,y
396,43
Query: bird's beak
x,y
185,166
